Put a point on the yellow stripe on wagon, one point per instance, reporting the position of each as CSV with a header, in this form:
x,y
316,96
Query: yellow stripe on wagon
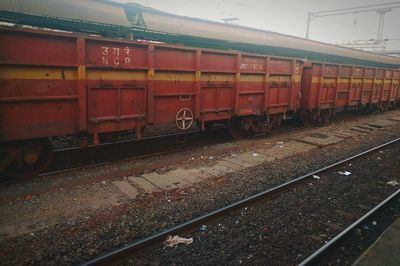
x,y
217,77
174,76
347,80
115,74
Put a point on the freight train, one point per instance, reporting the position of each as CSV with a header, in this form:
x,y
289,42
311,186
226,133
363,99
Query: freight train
x,y
56,83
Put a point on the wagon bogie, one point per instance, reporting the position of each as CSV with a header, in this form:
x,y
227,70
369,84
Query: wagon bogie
x,y
25,158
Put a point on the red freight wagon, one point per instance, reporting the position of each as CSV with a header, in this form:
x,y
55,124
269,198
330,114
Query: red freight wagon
x,y
55,84
327,86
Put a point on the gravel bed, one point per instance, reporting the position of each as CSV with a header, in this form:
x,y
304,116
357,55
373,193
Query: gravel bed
x,y
363,237
285,230
95,232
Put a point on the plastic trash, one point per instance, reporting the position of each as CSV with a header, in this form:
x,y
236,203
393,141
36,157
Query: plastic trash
x,y
393,183
365,227
203,228
346,173
316,177
374,223
265,229
172,241
243,211
280,142
255,154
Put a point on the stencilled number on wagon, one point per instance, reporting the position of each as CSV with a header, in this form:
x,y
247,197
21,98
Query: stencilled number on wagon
x,y
251,66
116,56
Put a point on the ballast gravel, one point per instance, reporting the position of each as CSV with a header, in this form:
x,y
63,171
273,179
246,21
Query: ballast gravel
x,y
96,232
285,230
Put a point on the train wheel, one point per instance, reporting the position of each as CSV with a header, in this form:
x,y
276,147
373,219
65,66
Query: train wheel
x,y
238,127
30,158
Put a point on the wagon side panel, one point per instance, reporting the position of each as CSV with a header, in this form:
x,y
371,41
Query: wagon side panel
x,y
116,85
38,81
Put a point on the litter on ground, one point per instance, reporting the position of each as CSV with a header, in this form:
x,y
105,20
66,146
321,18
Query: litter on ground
x,y
172,241
316,177
393,183
344,173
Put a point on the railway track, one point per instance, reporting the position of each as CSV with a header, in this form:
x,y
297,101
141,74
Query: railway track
x,y
70,159
75,158
131,250
318,256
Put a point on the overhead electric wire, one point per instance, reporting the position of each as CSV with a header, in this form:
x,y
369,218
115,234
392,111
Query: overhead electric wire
x,y
327,18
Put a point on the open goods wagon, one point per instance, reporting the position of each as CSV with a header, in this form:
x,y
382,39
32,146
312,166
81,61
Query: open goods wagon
x,y
326,87
55,84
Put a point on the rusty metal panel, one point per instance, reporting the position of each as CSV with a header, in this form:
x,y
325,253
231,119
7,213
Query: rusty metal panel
x,y
174,59
36,49
39,94
115,108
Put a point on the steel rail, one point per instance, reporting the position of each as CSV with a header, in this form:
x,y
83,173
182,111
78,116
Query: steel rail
x,y
125,253
317,255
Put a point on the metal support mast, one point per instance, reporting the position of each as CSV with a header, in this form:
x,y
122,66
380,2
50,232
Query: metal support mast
x,y
381,13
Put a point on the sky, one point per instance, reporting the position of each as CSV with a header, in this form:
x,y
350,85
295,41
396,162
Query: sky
x,y
290,17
